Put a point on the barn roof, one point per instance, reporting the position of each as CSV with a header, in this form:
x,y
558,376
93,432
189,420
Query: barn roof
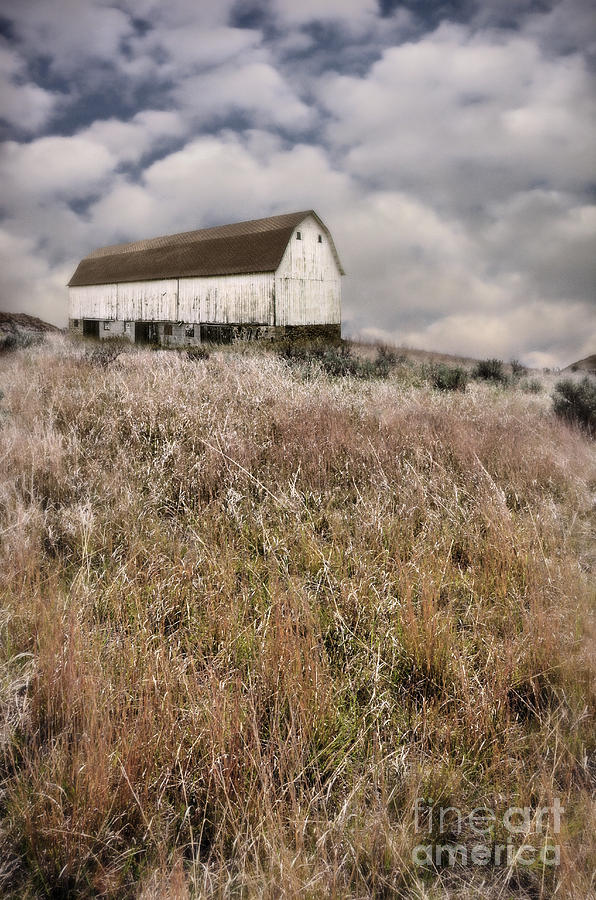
x,y
242,247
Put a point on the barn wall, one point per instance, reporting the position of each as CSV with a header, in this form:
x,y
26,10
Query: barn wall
x,y
308,280
227,299
148,301
97,301
221,300
117,328
178,337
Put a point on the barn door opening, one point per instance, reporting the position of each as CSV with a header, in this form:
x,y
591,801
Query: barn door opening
x,y
91,328
146,333
217,334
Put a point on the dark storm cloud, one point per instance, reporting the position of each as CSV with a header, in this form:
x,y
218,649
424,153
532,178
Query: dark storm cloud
x,y
449,146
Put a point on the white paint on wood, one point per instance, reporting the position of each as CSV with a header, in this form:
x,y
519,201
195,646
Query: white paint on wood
x,y
227,299
308,280
95,301
148,301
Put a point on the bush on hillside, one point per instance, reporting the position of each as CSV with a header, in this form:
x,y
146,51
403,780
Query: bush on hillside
x,y
490,370
341,361
517,369
387,359
531,386
449,378
575,401
19,340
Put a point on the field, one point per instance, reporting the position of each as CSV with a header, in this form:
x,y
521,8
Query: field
x,y
255,617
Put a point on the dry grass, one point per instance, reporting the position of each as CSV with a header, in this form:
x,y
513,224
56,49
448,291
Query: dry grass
x,y
252,613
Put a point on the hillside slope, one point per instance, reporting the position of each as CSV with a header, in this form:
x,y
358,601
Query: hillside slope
x,y
255,616
583,365
20,327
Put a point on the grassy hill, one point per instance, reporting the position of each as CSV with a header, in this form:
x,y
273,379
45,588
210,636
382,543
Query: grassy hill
x,y
11,322
256,615
583,365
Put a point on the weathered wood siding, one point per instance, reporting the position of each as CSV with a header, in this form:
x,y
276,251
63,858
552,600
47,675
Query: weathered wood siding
x,y
227,299
148,301
308,280
97,301
151,301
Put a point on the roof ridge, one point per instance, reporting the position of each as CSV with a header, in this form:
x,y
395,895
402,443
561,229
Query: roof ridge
x,y
215,232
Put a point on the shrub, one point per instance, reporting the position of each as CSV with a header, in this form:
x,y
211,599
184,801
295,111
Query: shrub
x,y
18,340
490,370
449,378
575,401
106,351
386,360
196,354
532,386
517,369
340,361
297,353
384,351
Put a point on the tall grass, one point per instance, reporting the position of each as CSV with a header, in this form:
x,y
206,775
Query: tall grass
x,y
248,619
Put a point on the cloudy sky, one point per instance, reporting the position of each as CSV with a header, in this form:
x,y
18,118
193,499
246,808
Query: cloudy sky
x,y
449,146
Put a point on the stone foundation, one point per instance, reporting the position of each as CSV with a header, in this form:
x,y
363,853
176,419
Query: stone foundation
x,y
329,334
181,334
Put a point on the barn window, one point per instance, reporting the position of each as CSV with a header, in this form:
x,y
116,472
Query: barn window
x,y
127,326
189,331
298,235
320,239
167,329
106,326
75,323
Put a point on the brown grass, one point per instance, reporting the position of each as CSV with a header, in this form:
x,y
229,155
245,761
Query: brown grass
x,y
251,614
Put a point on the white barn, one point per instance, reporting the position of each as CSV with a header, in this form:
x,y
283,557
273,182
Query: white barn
x,y
278,276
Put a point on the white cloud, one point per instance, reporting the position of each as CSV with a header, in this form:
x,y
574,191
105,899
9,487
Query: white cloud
x,y
256,89
26,106
463,117
23,104
28,283
219,178
79,165
188,48
548,238
68,166
567,332
567,26
176,13
70,33
349,13
130,141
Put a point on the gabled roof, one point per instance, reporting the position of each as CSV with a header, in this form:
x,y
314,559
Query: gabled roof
x,y
241,248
